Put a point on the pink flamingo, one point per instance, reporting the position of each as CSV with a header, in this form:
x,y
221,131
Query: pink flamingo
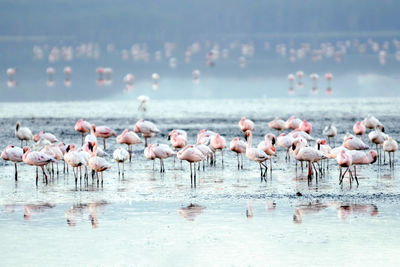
x,y
149,153
191,155
305,126
92,136
361,158
353,143
311,155
104,132
344,160
43,135
178,138
38,159
246,124
83,127
358,128
390,145
13,154
293,123
23,133
277,124
256,155
97,164
54,152
162,152
239,147
268,147
129,138
73,159
120,155
146,128
218,142
285,141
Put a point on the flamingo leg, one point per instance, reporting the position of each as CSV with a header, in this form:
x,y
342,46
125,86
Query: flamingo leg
x,y
37,175
123,168
130,153
104,143
242,160
16,171
82,137
309,170
237,156
145,142
222,153
191,175
118,168
44,174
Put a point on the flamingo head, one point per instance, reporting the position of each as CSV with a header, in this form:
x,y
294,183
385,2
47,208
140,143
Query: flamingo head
x,y
94,128
374,156
90,146
26,149
247,134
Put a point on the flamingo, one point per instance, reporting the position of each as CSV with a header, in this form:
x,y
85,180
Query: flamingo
x,y
311,155
353,143
54,152
98,164
192,155
377,137
143,100
83,127
277,124
43,135
162,152
92,136
246,124
14,154
344,159
268,147
361,158
358,128
120,155
239,147
204,136
129,138
23,133
330,131
218,142
73,159
149,153
293,123
285,141
38,159
206,150
104,132
256,155
305,126
371,122
178,138
390,145
146,128
302,134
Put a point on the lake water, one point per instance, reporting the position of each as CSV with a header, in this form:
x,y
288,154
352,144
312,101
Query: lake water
x,y
230,218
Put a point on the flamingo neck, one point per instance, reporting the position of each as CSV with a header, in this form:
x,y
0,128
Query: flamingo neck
x,y
250,140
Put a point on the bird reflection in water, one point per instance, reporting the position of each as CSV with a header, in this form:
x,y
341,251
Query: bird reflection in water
x,y
81,209
269,206
344,211
30,209
191,212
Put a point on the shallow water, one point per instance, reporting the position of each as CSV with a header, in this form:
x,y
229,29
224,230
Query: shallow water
x,y
149,218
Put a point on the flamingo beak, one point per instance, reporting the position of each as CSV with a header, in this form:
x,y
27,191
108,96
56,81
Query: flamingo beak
x,y
273,141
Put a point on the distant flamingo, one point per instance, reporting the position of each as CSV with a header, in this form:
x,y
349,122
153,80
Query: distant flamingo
x,y
299,76
120,155
371,122
83,127
330,131
358,128
13,154
256,155
378,137
149,153
38,159
146,128
23,133
129,138
239,147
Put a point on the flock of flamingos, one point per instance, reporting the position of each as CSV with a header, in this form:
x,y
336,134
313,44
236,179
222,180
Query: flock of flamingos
x,y
296,144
